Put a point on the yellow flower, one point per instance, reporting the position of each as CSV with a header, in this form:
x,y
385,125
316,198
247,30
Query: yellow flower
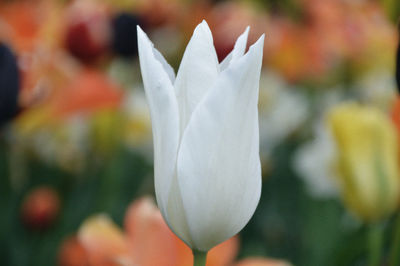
x,y
367,159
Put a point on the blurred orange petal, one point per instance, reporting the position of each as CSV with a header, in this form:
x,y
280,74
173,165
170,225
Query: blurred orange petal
x,y
224,253
89,91
262,262
21,21
221,255
151,241
72,253
395,113
104,241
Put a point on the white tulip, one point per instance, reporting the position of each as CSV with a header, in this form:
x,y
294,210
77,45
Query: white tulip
x,y
206,136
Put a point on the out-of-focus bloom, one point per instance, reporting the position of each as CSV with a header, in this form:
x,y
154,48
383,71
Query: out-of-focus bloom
x,y
282,111
331,34
395,114
146,241
228,20
157,13
124,34
40,207
87,92
315,162
295,52
58,129
262,262
9,84
106,130
88,30
398,64
354,154
72,253
137,131
19,24
30,26
206,139
377,88
367,159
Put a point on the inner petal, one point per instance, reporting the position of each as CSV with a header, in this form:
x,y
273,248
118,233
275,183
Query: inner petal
x,y
197,73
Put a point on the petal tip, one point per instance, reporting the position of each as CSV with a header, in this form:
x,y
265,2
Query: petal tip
x,y
245,34
261,39
203,26
139,30
259,44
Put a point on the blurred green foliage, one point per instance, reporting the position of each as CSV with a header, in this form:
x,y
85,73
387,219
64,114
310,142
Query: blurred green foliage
x,y
287,224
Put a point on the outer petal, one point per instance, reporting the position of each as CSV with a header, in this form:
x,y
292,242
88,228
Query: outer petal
x,y
164,116
238,50
167,67
218,167
197,72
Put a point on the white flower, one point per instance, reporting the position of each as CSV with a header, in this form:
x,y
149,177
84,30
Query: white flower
x,y
315,163
282,111
206,139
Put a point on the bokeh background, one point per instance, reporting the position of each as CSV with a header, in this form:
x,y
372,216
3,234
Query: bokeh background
x,y
75,136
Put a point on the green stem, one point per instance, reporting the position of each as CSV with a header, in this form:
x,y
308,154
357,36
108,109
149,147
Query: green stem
x,y
395,248
199,258
375,241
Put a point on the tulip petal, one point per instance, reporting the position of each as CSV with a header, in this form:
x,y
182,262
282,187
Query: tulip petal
x,y
167,67
238,50
218,165
197,73
176,214
164,117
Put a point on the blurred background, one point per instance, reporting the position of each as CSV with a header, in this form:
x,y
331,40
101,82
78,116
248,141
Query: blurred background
x,y
75,131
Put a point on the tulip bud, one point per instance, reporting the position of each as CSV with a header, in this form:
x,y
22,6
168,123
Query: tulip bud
x,y
206,137
40,208
367,160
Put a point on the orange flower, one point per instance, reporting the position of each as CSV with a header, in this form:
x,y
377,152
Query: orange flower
x,y
28,24
395,113
89,91
20,23
147,241
72,253
86,92
262,262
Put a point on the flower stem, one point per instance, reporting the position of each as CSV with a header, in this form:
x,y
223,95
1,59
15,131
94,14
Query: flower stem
x,y
394,252
375,241
199,258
